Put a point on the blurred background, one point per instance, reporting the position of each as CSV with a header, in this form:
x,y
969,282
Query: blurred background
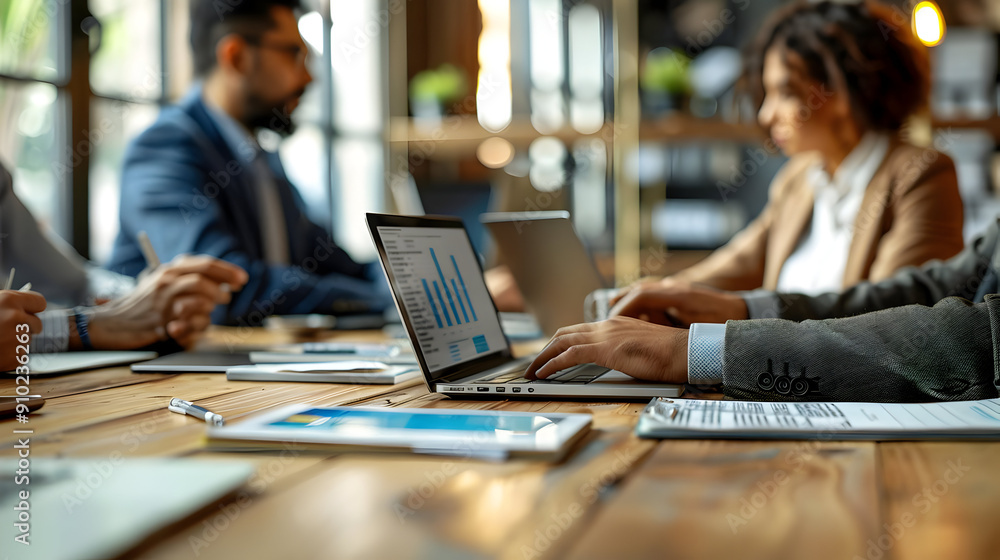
x,y
622,112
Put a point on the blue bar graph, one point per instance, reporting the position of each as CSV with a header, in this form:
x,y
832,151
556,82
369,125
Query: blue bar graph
x,y
437,317
462,282
460,302
446,290
438,290
459,289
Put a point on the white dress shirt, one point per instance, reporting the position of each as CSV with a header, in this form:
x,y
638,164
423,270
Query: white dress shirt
x,y
817,264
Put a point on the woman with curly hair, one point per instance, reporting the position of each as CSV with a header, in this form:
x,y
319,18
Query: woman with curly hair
x,y
835,84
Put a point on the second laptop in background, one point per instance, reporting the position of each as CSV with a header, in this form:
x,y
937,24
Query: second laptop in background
x,y
552,267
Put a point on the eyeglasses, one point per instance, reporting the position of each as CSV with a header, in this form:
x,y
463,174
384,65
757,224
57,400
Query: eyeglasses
x,y
295,52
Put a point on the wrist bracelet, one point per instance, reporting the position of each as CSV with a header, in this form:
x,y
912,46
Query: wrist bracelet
x,y
82,320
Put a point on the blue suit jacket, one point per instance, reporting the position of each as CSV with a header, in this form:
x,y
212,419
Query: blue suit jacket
x,y
182,184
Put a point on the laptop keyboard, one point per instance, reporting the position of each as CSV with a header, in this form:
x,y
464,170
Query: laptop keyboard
x,y
577,375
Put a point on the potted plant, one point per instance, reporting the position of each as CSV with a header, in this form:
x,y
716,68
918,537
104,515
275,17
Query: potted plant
x,y
665,80
433,90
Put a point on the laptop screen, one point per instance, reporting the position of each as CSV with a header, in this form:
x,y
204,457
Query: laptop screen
x,y
439,283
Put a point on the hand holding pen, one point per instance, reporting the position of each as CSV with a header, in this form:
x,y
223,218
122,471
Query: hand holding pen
x,y
172,300
18,322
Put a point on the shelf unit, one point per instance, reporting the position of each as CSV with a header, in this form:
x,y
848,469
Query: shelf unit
x,y
458,136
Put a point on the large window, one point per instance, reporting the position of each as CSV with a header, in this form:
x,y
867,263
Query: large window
x,y
33,85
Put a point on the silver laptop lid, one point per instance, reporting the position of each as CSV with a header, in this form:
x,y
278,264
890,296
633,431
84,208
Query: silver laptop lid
x,y
552,267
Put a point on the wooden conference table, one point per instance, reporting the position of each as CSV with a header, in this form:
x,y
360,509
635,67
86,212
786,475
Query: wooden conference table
x,y
614,496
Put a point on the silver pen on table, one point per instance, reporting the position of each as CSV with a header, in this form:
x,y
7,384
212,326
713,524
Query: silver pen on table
x,y
181,406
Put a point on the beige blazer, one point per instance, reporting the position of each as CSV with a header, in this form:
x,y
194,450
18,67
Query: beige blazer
x,y
911,213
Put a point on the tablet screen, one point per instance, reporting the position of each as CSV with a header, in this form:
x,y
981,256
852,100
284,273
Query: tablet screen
x,y
361,421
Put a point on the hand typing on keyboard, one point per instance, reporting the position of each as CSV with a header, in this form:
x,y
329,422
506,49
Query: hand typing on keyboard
x,y
640,349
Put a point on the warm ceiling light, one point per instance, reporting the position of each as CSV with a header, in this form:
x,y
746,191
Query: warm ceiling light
x,y
493,88
495,152
928,23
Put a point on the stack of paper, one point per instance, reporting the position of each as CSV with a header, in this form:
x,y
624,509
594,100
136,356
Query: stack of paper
x,y
682,418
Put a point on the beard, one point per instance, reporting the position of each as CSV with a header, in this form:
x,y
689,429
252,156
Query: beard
x,y
274,116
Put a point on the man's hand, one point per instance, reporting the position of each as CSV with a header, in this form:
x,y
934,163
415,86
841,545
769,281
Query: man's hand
x,y
643,282
174,300
679,304
642,350
18,324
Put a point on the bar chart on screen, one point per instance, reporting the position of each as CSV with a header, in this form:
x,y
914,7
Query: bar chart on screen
x,y
443,293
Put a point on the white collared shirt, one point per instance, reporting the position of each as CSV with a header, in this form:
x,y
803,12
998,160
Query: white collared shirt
x,y
817,264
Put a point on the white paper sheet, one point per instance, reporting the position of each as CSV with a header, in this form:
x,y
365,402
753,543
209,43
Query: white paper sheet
x,y
684,418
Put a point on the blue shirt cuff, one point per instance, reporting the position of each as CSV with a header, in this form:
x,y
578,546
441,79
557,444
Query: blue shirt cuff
x,y
706,346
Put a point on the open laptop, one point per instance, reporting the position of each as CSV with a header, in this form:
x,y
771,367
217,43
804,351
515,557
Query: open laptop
x,y
552,267
437,284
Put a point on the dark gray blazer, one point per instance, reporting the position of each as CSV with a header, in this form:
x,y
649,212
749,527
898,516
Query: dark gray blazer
x,y
928,333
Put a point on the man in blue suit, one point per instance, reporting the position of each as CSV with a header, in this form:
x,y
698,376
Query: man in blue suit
x,y
198,182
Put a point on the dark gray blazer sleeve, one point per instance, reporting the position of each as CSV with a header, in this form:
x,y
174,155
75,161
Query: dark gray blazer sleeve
x,y
906,354
959,276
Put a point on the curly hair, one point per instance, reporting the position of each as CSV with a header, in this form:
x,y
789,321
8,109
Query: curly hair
x,y
857,48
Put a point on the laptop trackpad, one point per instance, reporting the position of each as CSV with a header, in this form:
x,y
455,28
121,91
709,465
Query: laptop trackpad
x,y
616,377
